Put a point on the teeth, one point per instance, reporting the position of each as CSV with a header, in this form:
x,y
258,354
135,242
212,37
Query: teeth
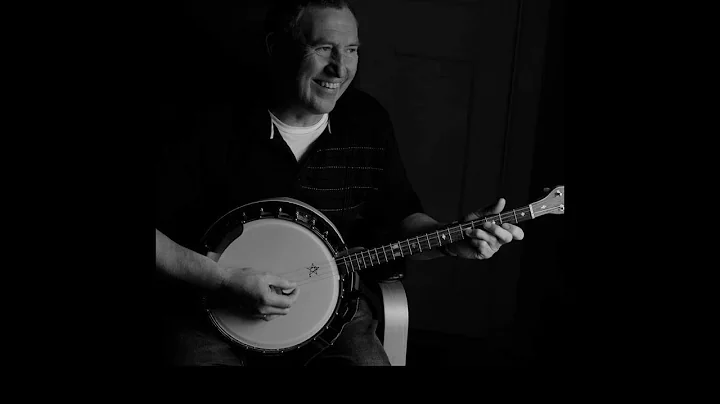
x,y
329,85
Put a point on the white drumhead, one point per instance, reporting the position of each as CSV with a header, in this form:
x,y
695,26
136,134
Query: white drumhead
x,y
289,250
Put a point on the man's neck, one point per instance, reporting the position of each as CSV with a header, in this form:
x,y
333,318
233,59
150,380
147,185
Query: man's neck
x,y
293,116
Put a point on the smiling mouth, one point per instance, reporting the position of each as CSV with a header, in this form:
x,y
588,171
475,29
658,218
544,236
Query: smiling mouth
x,y
328,85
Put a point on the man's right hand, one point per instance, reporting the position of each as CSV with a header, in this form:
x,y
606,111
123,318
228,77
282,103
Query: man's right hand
x,y
266,296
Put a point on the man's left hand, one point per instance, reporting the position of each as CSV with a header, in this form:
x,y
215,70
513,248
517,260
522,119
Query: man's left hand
x,y
483,243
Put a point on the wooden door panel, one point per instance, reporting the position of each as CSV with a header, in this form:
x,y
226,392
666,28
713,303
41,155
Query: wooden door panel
x,y
432,121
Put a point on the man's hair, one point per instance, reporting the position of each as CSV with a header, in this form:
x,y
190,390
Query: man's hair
x,y
283,18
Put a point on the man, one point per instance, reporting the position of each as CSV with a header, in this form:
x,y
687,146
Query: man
x,y
315,139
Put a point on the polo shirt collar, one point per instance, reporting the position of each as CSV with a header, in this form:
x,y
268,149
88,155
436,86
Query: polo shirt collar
x,y
272,126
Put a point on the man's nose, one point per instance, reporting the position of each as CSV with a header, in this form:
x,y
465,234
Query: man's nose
x,y
338,65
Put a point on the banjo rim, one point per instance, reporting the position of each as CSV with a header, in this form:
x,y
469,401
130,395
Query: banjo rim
x,y
346,282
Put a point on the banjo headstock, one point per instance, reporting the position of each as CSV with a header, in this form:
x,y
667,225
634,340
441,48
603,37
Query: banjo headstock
x,y
553,203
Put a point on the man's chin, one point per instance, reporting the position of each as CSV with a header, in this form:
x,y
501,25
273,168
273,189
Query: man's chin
x,y
323,106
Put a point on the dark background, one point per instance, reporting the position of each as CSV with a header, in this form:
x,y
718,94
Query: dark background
x,y
476,93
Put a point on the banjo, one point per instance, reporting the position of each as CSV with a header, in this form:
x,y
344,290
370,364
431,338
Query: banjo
x,y
291,239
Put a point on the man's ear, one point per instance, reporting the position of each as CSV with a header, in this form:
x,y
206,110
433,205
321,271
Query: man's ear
x,y
269,44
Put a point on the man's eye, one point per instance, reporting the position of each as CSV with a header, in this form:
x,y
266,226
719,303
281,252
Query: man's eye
x,y
324,49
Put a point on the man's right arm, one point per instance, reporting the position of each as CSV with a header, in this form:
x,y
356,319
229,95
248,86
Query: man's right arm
x,y
181,263
253,288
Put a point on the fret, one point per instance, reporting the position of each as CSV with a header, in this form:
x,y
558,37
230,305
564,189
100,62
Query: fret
x,y
384,253
418,243
350,261
514,214
500,218
378,257
395,249
428,240
358,260
523,214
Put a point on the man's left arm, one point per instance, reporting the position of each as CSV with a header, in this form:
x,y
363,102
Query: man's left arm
x,y
399,200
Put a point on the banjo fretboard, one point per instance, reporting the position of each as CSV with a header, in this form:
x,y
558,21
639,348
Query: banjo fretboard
x,y
427,241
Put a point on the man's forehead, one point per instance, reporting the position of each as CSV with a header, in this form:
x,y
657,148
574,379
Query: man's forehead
x,y
325,23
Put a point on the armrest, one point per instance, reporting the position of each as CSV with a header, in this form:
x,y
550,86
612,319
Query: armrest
x,y
396,320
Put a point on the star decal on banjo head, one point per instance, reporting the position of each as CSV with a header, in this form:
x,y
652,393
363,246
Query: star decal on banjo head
x,y
313,270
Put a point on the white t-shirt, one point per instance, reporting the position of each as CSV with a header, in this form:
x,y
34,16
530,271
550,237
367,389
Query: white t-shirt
x,y
299,138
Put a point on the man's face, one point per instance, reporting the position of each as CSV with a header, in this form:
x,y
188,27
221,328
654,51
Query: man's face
x,y
329,60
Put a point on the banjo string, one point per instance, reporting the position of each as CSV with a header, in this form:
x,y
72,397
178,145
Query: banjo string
x,y
348,261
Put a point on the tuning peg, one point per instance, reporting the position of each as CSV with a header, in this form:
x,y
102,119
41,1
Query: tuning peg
x,y
546,189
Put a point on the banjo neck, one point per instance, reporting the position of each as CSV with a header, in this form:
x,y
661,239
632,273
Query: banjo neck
x,y
553,203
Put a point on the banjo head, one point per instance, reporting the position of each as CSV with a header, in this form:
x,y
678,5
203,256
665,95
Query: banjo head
x,y
291,249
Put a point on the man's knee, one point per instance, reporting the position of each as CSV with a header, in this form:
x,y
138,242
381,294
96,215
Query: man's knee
x,y
199,349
